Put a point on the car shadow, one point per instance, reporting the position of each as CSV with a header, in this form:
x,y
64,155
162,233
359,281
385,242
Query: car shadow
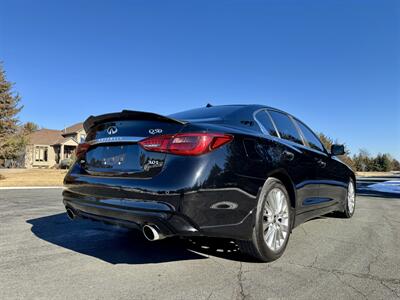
x,y
117,245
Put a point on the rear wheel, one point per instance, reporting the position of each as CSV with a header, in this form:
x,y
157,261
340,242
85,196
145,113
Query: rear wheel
x,y
273,223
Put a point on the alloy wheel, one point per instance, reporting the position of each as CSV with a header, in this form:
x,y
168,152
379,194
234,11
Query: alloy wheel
x,y
351,197
275,219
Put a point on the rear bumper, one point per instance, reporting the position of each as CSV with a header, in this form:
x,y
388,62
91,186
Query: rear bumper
x,y
129,213
190,196
133,213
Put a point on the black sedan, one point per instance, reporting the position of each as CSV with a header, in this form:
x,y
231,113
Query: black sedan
x,y
246,172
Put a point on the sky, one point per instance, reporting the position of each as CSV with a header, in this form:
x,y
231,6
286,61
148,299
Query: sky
x,y
333,64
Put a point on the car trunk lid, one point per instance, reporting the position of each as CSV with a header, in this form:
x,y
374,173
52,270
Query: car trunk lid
x,y
114,148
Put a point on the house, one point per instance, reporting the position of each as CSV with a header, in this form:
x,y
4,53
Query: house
x,y
47,147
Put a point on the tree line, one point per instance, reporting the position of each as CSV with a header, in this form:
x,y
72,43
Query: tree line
x,y
14,137
363,161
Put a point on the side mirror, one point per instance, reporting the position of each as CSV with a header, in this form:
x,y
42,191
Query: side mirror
x,y
337,149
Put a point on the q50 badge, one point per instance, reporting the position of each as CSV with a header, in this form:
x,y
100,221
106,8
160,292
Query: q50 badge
x,y
156,130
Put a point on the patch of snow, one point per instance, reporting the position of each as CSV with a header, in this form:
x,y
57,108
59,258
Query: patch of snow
x,y
386,187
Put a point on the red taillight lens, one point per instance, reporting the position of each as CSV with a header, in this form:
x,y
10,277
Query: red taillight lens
x,y
156,143
82,149
186,143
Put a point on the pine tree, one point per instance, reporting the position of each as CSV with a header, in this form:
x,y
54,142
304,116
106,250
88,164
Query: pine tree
x,y
9,109
30,127
395,165
363,161
383,162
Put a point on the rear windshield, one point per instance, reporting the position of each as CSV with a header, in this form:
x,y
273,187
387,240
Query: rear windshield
x,y
214,112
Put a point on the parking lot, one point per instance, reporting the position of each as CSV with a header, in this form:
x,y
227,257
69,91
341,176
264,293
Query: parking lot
x,y
45,255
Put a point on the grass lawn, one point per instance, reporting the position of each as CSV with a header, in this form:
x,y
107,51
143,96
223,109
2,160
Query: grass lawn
x,y
31,177
377,174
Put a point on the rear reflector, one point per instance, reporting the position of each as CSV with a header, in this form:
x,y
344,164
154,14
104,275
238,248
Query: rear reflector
x,y
186,143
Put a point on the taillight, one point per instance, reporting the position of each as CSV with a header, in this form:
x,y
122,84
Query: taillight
x,y
82,149
186,143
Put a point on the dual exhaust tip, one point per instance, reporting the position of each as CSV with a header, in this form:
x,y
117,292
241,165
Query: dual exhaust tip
x,y
150,232
70,213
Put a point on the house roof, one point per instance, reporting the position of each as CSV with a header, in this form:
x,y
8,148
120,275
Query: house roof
x,y
53,137
63,140
45,137
73,129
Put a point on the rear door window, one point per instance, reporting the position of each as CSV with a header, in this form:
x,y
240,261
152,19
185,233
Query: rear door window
x,y
266,123
287,129
312,140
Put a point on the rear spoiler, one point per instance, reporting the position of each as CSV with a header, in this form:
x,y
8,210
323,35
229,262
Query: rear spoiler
x,y
127,115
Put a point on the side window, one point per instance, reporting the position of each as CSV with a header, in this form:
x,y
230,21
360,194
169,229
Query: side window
x,y
265,121
311,138
286,127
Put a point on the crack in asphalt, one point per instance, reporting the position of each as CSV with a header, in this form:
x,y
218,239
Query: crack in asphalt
x,y
337,272
349,285
375,259
210,295
304,230
389,288
242,295
314,262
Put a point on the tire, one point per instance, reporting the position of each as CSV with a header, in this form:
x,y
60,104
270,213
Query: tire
x,y
272,228
349,208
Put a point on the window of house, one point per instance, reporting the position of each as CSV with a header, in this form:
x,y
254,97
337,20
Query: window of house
x,y
310,137
285,126
41,153
265,121
82,138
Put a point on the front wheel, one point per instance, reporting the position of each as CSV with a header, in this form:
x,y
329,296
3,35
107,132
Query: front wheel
x,y
273,223
350,202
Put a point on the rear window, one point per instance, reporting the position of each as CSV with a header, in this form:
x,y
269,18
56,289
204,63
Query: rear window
x,y
286,127
214,112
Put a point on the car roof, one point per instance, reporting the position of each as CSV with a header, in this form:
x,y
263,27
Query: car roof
x,y
221,112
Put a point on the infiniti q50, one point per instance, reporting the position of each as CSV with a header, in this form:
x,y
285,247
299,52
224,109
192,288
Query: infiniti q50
x,y
245,172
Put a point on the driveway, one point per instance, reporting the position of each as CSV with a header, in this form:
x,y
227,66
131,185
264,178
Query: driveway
x,y
45,255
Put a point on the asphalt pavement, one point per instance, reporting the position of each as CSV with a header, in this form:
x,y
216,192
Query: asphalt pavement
x,y
44,255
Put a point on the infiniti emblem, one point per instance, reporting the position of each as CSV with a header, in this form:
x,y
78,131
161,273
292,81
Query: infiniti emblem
x,y
112,130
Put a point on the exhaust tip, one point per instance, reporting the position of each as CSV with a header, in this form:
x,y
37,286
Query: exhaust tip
x,y
70,213
151,233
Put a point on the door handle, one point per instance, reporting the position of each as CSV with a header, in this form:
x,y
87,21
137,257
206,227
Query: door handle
x,y
321,163
287,155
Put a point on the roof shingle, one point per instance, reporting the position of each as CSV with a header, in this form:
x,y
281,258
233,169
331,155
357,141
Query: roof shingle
x,y
45,137
74,128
